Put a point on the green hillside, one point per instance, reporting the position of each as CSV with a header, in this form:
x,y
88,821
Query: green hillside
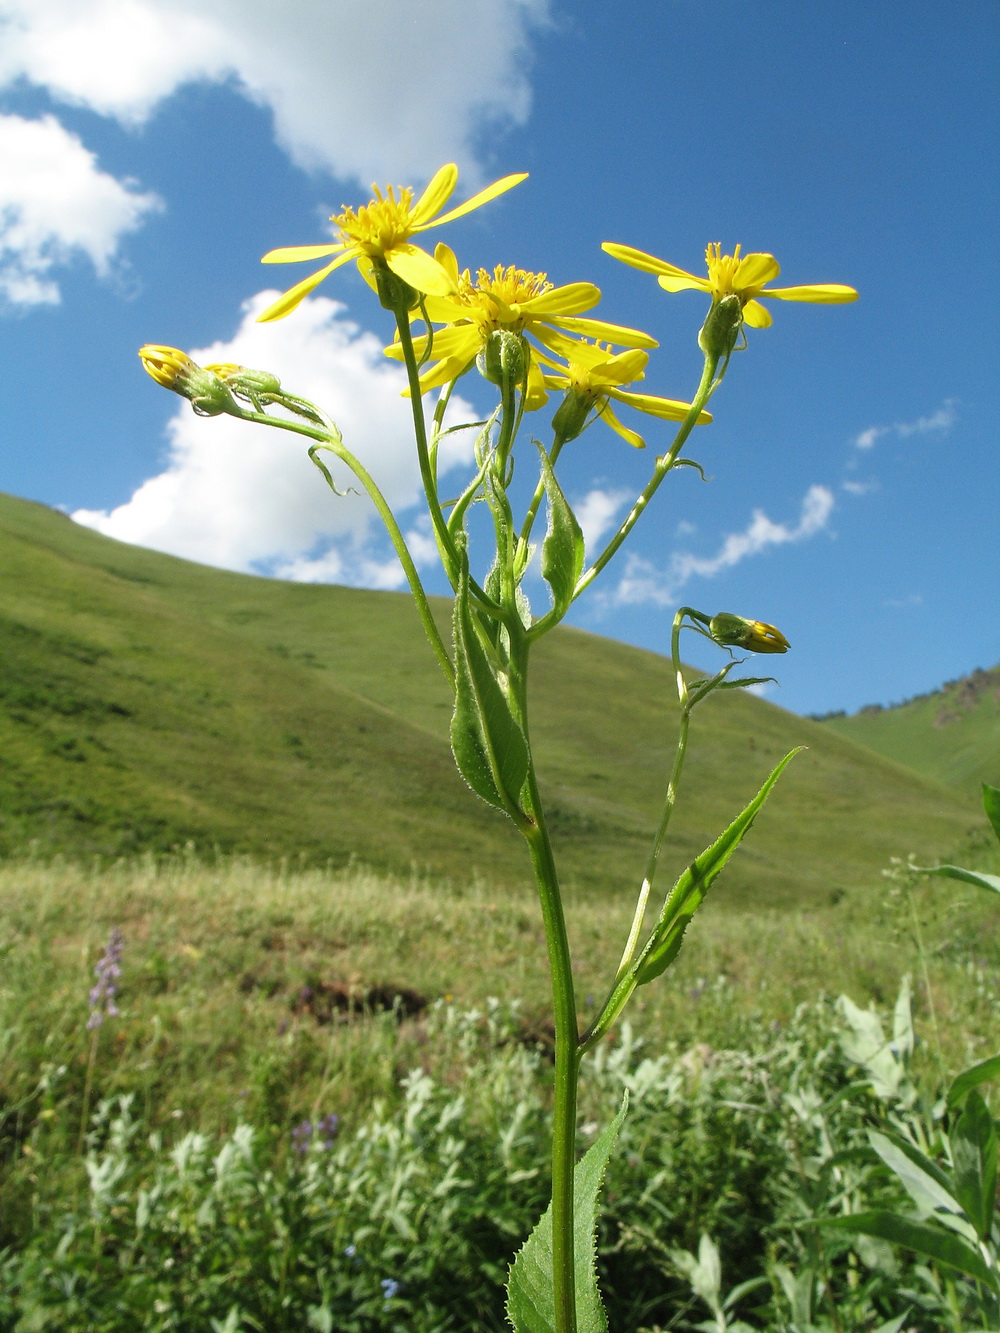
x,y
952,734
148,702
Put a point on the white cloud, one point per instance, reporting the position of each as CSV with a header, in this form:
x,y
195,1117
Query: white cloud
x,y
56,204
860,487
597,512
942,420
388,88
643,582
247,497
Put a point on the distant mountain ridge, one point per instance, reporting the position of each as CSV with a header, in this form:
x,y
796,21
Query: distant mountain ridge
x,y
951,734
147,702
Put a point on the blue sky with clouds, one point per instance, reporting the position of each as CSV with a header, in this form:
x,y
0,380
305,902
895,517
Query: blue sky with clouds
x,y
151,152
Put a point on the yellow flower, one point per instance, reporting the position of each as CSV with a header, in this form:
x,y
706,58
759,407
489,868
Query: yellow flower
x,y
380,232
175,370
743,276
514,300
593,376
756,635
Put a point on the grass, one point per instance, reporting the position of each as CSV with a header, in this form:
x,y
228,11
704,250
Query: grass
x,y
951,734
147,702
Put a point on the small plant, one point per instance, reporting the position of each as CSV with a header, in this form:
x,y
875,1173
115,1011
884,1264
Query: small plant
x,y
527,338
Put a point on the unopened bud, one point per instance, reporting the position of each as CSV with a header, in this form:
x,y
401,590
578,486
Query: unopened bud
x,y
175,370
502,360
722,326
571,415
247,383
393,293
755,635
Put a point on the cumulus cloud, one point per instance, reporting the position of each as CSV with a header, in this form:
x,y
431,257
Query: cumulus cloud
x,y
247,497
390,88
940,421
644,582
597,512
56,204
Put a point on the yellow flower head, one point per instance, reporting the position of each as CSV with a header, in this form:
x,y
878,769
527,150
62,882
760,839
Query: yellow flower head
x,y
592,377
514,300
756,635
379,233
743,276
175,370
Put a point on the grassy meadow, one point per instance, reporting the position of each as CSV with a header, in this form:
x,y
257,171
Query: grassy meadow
x,y
323,1103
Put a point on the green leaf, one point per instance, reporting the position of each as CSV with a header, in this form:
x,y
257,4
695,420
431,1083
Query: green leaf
x,y
979,878
488,744
991,804
689,891
530,1305
563,547
974,1162
930,1241
971,1078
924,1181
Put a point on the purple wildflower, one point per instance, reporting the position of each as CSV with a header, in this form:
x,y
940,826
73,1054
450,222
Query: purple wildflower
x,y
324,1132
302,1136
107,972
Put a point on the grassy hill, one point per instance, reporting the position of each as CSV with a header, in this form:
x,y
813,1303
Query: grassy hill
x,y
951,734
146,702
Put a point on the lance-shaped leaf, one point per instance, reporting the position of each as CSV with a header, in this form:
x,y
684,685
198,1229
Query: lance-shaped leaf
x,y
974,1163
530,1305
488,744
563,547
924,1238
971,1078
977,877
689,891
924,1181
991,804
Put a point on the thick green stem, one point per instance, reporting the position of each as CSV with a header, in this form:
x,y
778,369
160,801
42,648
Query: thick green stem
x,y
567,1068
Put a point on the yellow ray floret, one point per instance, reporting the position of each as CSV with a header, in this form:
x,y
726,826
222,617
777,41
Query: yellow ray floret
x,y
744,276
594,375
380,231
514,300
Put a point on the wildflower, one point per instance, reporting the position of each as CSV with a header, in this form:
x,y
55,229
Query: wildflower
x,y
516,301
302,1136
390,1288
592,377
743,276
755,635
175,370
107,972
378,237
323,1132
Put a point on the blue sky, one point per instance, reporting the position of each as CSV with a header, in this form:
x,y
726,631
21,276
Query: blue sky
x,y
152,152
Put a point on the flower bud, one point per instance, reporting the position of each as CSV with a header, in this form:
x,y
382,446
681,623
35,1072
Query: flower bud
x,y
571,415
755,635
247,383
722,326
393,293
176,371
502,360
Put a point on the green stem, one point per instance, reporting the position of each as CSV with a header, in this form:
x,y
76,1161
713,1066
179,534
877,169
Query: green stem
x,y
446,547
331,439
567,1067
567,1051
709,383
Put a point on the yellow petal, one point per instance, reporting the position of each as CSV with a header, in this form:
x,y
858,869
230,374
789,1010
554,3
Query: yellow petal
x,y
667,409
535,394
757,315
437,194
754,270
824,293
296,295
294,254
629,436
597,328
445,256
648,263
620,369
671,283
572,299
416,267
483,197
